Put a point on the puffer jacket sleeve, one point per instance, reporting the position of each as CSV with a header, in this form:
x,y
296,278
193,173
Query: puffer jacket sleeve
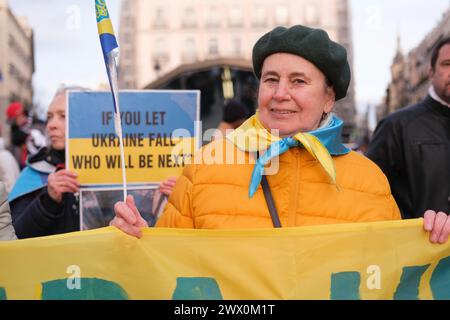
x,y
178,212
394,209
383,205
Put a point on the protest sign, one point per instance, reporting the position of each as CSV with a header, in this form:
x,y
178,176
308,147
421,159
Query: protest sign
x,y
153,123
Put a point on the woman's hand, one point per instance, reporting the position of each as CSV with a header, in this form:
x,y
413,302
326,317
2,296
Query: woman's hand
x,y
166,187
128,219
438,224
60,182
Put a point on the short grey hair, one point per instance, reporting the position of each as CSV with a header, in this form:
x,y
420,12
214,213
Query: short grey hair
x,y
64,88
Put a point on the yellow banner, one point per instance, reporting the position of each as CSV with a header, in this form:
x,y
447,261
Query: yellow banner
x,y
387,260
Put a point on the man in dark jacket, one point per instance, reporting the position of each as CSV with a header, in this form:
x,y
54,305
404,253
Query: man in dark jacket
x,y
412,147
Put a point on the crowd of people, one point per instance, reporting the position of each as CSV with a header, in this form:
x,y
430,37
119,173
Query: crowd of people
x,y
302,73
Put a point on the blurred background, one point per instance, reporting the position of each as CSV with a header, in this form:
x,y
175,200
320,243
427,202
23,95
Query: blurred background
x,y
206,45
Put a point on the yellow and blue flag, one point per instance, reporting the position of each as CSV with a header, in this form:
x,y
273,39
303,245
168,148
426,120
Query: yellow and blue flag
x,y
105,30
110,52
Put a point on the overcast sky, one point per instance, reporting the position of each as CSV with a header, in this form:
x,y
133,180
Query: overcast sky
x,y
376,24
67,48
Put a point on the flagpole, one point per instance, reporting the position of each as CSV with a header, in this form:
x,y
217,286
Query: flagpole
x,y
117,118
110,50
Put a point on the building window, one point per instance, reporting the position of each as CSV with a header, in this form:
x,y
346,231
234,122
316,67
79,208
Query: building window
x,y
11,41
259,17
213,47
189,18
160,21
213,18
12,70
237,47
236,17
15,74
126,53
189,50
311,15
127,37
282,15
18,51
127,20
160,54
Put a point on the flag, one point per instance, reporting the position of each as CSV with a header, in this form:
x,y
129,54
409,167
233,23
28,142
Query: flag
x,y
105,31
110,50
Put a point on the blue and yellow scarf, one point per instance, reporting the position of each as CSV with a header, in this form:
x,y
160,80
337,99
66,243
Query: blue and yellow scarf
x,y
322,144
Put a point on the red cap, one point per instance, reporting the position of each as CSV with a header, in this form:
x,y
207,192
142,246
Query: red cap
x,y
13,110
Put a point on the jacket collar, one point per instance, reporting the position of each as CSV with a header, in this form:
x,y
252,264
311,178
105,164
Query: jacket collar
x,y
434,95
437,107
331,137
52,156
46,160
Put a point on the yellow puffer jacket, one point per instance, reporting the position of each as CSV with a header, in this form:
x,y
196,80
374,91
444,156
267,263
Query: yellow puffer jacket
x,y
215,196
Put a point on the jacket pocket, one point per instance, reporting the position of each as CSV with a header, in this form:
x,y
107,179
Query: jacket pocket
x,y
434,151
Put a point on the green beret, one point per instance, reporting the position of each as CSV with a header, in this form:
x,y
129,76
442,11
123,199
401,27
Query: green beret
x,y
313,45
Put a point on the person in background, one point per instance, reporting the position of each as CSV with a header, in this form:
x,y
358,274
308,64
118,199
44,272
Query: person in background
x,y
44,200
16,116
412,147
234,115
6,228
25,140
9,168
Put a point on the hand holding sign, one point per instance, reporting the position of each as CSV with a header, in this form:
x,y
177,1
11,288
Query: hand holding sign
x,y
128,219
60,182
167,186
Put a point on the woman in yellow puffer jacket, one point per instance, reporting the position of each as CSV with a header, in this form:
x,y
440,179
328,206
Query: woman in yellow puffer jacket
x,y
293,143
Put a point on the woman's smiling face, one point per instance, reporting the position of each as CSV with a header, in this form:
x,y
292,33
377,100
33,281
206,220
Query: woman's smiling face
x,y
293,94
